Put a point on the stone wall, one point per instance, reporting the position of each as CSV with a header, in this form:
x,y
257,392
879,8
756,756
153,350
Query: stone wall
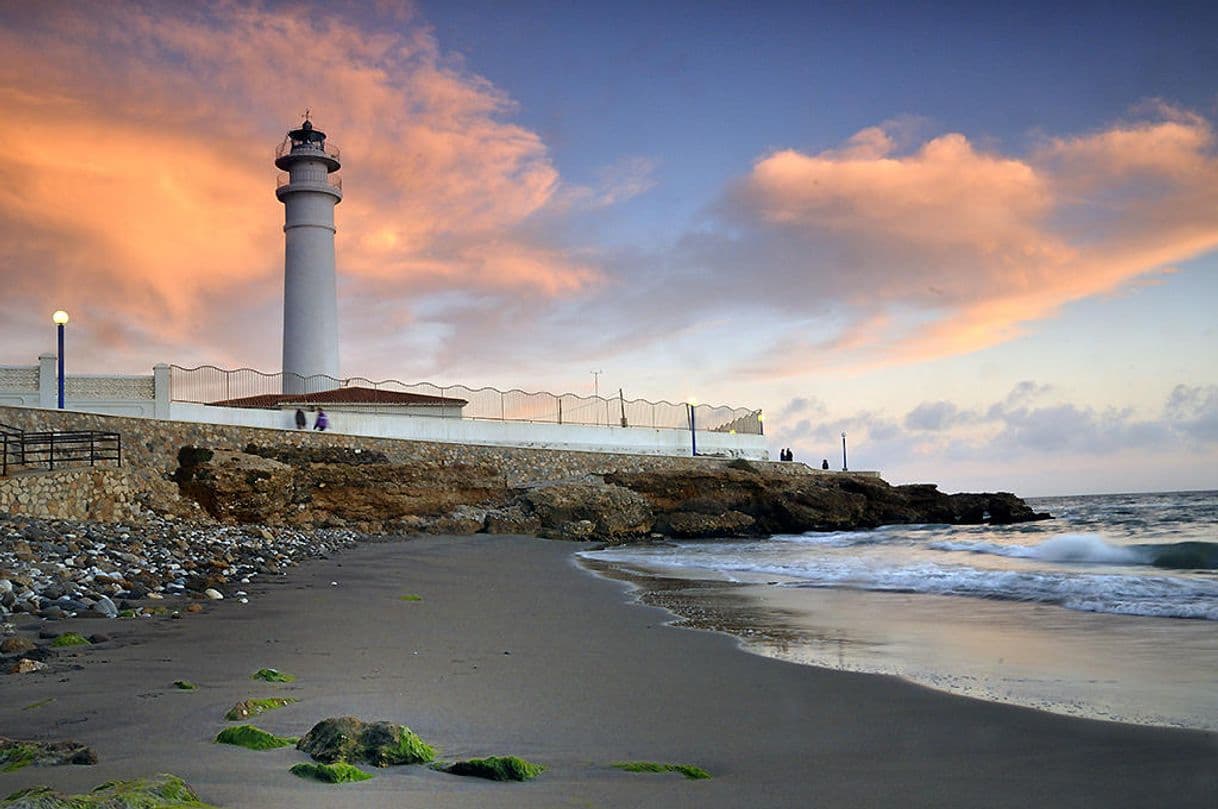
x,y
105,495
150,448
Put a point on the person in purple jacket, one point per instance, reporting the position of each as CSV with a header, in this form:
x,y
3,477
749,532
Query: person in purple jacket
x,y
322,422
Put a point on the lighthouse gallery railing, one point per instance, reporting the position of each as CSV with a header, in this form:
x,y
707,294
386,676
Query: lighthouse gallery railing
x,y
208,384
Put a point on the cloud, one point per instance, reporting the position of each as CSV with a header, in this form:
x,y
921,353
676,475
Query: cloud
x,y
138,185
932,416
948,248
1193,411
1026,439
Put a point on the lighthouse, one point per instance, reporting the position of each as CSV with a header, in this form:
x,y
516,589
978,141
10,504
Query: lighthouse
x,y
309,189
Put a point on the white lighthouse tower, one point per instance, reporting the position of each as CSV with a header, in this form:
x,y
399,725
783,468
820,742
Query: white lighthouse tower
x,y
309,190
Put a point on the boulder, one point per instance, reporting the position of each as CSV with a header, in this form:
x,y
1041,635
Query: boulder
x,y
15,754
693,524
460,521
513,519
616,513
27,666
16,645
350,740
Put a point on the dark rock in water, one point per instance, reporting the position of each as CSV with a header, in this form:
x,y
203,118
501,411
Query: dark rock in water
x,y
99,637
15,754
348,739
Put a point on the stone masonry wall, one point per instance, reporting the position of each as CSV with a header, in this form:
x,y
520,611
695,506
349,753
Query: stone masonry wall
x,y
150,448
105,495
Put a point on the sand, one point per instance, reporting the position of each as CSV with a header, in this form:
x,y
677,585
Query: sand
x,y
515,649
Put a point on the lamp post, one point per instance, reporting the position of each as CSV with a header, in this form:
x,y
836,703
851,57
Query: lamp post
x,y
844,452
596,392
61,319
693,433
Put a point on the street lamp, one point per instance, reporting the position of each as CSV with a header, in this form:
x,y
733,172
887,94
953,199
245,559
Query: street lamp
x,y
693,435
61,319
843,452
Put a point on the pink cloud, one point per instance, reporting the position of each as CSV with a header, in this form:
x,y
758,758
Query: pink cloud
x,y
950,249
139,183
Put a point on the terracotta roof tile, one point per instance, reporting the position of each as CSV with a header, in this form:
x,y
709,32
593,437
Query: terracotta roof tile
x,y
351,395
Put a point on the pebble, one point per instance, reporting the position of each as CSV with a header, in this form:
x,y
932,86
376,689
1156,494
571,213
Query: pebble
x,y
57,569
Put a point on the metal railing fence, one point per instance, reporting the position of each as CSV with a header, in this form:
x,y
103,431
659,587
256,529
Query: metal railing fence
x,y
52,448
208,384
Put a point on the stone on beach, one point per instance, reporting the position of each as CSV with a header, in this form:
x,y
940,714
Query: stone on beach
x,y
15,754
496,768
161,792
348,739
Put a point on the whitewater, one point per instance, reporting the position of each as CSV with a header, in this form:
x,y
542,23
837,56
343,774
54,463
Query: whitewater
x,y
1107,610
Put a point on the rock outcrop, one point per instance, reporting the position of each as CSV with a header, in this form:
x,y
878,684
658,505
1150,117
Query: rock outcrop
x,y
339,487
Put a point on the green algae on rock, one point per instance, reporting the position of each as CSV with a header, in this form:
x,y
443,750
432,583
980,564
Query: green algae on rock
x,y
346,738
496,768
70,639
184,685
161,792
339,773
252,707
253,738
688,770
15,754
273,676
410,597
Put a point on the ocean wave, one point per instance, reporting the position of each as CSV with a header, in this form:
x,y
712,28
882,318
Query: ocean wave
x,y
1169,596
1094,549
1091,548
1152,596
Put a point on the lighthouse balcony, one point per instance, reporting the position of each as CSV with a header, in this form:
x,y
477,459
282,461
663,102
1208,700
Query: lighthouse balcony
x,y
331,183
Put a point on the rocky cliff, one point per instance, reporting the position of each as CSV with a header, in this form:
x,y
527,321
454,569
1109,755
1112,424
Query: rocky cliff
x,y
365,490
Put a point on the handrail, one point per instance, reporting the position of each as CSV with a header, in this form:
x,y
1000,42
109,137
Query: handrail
x,y
210,384
283,178
51,447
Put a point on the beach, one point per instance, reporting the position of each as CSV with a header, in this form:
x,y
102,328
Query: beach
x,y
513,648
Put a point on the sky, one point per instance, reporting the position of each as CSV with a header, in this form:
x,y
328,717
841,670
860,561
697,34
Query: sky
x,y
981,242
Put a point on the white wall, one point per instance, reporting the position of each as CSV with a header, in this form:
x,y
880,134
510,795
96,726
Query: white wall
x,y
148,397
112,394
630,440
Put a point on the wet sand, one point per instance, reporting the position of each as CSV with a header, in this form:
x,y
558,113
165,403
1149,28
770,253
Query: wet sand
x,y
514,649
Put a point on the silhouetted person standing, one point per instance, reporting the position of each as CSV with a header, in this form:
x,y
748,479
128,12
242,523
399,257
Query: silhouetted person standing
x,y
301,421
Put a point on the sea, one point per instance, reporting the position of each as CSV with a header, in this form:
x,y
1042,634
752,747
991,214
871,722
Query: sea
x,y
1109,610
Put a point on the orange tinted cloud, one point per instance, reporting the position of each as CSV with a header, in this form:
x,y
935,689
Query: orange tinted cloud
x,y
963,247
138,180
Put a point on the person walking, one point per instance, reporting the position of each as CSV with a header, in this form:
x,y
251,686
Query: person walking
x,y
322,421
301,421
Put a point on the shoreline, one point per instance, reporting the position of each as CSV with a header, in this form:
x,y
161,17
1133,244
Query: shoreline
x,y
515,648
909,637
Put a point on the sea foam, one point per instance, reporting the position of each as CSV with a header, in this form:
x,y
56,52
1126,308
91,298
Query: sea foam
x,y
1083,547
